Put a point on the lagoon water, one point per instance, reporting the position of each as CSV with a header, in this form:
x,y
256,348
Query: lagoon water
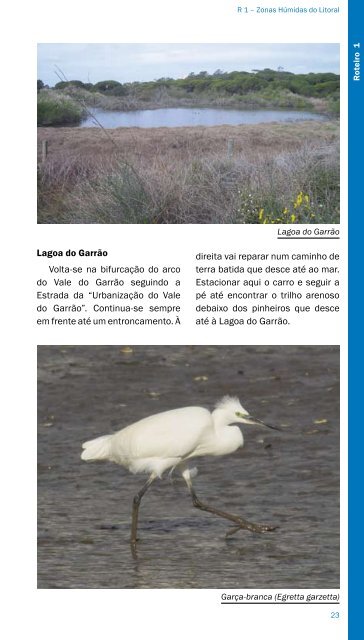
x,y
193,117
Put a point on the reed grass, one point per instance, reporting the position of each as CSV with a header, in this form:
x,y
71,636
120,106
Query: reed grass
x,y
194,175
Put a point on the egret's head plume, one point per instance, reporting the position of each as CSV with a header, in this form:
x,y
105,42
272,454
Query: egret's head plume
x,y
231,404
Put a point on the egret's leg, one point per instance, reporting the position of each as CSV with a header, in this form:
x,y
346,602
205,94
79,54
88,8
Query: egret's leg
x,y
135,512
241,524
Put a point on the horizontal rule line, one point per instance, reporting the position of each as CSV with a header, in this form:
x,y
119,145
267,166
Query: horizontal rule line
x,y
307,238
332,603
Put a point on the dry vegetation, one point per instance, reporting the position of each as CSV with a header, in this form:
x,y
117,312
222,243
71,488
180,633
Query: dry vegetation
x,y
190,175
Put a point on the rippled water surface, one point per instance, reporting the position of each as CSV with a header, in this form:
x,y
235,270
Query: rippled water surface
x,y
188,117
288,478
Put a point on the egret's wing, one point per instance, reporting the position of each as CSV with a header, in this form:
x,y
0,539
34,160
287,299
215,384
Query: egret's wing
x,y
166,435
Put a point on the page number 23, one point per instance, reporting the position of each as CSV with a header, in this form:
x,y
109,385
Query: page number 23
x,y
334,615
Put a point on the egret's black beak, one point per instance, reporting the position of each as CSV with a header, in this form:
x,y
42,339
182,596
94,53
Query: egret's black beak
x,y
264,424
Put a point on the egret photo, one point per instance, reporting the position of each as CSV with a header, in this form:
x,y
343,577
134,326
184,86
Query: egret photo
x,y
188,133
188,467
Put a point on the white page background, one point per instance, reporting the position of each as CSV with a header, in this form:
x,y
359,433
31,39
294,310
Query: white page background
x,y
155,613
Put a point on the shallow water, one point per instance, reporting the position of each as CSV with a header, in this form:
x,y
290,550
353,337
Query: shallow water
x,y
289,478
193,117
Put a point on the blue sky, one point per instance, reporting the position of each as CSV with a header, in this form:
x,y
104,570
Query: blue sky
x,y
139,62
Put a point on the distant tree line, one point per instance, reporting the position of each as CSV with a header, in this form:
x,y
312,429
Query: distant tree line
x,y
319,85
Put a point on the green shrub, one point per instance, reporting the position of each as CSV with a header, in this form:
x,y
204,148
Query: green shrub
x,y
110,87
65,84
55,109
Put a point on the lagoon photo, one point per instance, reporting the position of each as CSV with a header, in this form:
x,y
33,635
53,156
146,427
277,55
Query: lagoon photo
x,y
138,133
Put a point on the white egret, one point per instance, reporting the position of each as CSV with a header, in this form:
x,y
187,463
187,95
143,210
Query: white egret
x,y
170,440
